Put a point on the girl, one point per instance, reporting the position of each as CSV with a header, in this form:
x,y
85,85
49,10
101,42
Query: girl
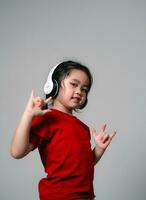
x,y
62,139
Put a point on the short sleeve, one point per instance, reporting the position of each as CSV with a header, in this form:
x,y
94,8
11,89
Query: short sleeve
x,y
89,133
37,131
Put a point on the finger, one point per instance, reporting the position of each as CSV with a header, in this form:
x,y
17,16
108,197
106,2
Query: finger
x,y
105,138
32,94
103,127
93,130
30,101
113,134
47,100
38,99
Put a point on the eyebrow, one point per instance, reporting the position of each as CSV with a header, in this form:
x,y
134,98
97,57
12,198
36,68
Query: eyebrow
x,y
80,82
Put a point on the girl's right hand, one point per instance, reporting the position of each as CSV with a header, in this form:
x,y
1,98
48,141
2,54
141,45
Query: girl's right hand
x,y
35,105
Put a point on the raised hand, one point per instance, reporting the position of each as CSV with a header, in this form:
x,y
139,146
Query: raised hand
x,y
35,105
102,139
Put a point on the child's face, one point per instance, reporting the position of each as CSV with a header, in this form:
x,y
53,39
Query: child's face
x,y
73,90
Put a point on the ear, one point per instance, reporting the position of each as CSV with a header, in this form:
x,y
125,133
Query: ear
x,y
62,83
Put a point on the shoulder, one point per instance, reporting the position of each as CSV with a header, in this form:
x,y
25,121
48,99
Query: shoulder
x,y
82,123
48,117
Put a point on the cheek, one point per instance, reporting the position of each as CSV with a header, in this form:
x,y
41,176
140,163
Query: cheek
x,y
84,98
62,93
84,95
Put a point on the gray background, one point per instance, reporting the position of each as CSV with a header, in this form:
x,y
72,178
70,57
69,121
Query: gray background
x,y
110,38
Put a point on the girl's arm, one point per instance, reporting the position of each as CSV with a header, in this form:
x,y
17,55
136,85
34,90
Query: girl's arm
x,y
20,145
97,153
102,140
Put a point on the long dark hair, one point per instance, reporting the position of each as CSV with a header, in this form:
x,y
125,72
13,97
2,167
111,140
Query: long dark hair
x,y
64,69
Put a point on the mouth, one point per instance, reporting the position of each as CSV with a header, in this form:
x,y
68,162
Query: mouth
x,y
77,99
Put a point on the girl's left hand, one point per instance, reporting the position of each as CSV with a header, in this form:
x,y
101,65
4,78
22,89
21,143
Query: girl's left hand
x,y
102,139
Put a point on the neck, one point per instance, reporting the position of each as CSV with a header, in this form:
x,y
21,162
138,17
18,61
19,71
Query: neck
x,y
57,105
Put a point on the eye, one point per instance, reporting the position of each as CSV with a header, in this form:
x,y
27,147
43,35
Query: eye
x,y
85,90
73,84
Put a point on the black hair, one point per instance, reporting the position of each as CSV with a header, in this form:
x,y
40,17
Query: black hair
x,y
64,69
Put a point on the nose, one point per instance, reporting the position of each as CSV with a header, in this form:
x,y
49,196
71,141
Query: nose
x,y
78,91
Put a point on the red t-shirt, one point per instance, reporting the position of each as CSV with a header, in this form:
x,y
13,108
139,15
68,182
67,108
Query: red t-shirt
x,y
65,150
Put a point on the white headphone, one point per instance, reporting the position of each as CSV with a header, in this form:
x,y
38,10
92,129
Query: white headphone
x,y
51,86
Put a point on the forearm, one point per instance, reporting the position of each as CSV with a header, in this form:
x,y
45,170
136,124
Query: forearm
x,y
20,142
97,153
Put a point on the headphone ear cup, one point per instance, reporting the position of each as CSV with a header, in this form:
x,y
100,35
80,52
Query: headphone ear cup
x,y
50,83
55,89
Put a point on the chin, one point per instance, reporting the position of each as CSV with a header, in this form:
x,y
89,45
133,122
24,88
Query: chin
x,y
77,107
73,107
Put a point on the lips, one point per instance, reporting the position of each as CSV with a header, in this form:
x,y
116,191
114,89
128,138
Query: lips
x,y
76,98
